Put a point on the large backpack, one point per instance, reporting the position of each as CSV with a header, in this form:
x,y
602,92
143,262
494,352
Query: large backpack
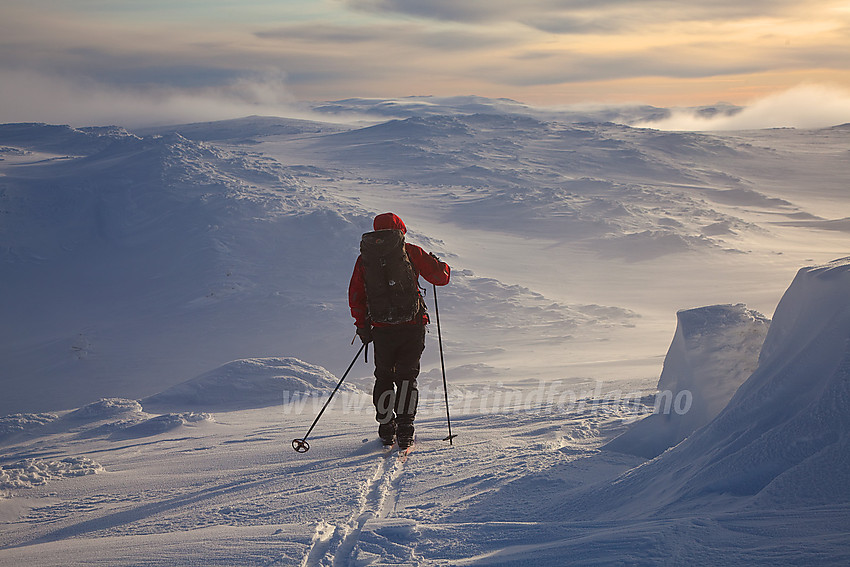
x,y
392,290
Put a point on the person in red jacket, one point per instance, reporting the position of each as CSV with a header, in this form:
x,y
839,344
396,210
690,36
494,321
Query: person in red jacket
x,y
397,347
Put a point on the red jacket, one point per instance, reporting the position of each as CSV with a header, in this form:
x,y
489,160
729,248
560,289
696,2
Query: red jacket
x,y
424,265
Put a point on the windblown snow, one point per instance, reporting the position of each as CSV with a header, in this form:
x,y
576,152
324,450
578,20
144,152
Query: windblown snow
x,y
174,314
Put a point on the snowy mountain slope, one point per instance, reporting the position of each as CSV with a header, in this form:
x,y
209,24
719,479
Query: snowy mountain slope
x,y
593,213
407,107
244,130
126,252
623,192
615,187
423,106
165,234
130,251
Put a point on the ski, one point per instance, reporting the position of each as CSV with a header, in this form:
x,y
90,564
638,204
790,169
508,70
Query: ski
x,y
403,454
387,449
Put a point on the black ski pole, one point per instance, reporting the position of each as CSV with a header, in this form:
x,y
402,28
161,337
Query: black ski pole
x,y
301,445
443,366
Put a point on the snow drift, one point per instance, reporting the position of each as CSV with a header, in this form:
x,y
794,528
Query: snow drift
x,y
714,350
248,383
160,424
35,472
106,408
18,423
784,438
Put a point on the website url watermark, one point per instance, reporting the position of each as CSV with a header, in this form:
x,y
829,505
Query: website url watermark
x,y
546,397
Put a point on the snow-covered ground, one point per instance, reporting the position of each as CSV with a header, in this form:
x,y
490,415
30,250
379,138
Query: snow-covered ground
x,y
174,314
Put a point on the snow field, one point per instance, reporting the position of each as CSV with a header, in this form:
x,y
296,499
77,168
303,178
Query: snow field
x,y
222,252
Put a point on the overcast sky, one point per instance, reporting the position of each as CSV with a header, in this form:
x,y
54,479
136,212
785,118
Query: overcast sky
x,y
85,59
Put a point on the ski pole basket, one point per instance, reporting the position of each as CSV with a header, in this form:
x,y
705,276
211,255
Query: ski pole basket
x,y
301,445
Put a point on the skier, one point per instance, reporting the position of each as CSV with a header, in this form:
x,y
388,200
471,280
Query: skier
x,y
388,311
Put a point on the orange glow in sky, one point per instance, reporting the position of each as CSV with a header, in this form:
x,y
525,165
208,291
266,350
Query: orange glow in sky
x,y
548,52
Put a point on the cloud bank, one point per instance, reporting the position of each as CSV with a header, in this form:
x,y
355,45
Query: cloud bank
x,y
94,62
578,16
804,106
38,97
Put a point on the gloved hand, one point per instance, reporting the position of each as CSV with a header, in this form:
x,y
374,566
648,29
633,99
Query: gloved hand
x,y
365,334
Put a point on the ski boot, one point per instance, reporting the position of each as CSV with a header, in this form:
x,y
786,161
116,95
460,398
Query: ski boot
x,y
387,432
404,435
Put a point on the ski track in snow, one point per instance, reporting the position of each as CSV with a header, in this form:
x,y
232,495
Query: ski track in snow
x,y
340,545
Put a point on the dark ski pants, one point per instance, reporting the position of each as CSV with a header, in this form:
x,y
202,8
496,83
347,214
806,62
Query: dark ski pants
x,y
397,352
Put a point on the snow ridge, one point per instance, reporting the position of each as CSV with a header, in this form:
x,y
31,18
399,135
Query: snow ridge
x,y
714,350
255,382
782,439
